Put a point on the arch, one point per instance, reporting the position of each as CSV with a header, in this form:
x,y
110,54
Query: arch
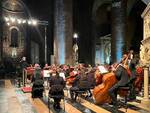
x,y
21,7
97,4
13,6
14,34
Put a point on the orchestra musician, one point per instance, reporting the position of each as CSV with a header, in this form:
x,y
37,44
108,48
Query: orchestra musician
x,y
122,80
57,85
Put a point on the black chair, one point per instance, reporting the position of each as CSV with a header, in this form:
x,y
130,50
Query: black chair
x,y
127,89
79,93
56,91
37,91
84,87
55,96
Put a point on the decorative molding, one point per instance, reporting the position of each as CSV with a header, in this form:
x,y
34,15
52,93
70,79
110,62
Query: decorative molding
x,y
145,52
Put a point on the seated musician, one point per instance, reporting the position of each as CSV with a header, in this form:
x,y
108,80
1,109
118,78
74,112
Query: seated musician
x,y
57,84
46,67
123,78
91,79
132,66
78,84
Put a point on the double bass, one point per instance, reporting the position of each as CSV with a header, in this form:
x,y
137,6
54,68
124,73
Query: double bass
x,y
100,92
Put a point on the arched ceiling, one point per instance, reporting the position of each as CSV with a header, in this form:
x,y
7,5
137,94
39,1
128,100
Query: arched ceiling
x,y
13,5
98,3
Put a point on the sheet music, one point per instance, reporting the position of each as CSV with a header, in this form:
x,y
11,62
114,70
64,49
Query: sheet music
x,y
46,73
102,69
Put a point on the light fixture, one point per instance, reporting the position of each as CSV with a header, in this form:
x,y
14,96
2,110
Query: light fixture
x,y
8,23
34,22
75,35
12,19
19,21
29,22
24,21
6,19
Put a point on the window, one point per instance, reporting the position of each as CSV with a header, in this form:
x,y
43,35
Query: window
x,y
14,37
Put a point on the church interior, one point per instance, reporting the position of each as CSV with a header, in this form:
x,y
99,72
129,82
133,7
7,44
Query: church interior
x,y
108,41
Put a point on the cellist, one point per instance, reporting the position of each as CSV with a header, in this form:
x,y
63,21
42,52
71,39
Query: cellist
x,y
122,77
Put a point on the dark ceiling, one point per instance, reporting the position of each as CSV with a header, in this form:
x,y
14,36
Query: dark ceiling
x,y
39,9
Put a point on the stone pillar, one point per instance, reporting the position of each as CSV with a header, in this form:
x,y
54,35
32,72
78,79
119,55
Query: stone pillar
x,y
118,29
63,32
146,100
68,31
1,30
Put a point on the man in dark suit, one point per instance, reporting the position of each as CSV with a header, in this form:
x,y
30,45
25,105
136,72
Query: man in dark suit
x,y
122,77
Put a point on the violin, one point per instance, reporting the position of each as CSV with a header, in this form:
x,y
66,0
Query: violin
x,y
71,77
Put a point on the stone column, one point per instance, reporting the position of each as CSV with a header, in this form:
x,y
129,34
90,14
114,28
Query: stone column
x,y
63,32
68,31
1,30
118,29
146,100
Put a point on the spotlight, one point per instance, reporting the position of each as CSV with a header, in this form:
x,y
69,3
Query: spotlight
x,y
34,22
8,23
19,21
29,22
6,19
12,19
24,21
75,35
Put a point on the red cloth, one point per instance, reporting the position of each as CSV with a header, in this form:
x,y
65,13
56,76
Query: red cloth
x,y
26,89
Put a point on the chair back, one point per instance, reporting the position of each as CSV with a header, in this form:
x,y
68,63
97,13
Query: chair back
x,y
84,84
56,90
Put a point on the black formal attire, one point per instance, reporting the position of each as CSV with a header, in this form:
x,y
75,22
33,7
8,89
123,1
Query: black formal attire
x,y
38,83
123,79
80,83
57,84
132,67
75,87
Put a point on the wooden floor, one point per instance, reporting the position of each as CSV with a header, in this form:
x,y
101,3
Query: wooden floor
x,y
13,100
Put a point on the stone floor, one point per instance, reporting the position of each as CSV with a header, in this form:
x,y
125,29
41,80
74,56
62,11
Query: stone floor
x,y
13,100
